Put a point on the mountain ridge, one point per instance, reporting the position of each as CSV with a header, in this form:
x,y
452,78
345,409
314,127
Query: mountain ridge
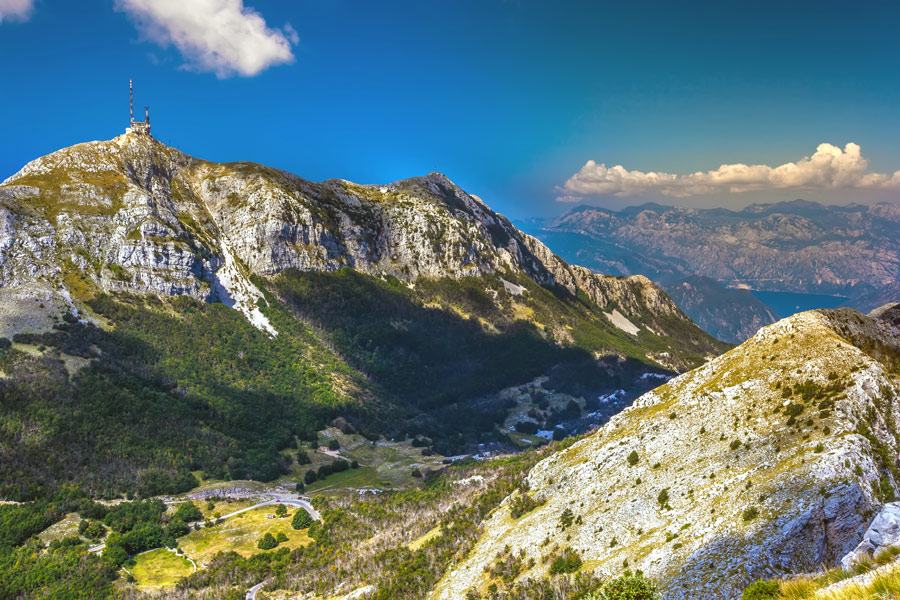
x,y
796,246
403,308
768,460
241,219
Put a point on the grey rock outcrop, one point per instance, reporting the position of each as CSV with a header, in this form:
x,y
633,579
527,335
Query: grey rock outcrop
x,y
884,532
889,313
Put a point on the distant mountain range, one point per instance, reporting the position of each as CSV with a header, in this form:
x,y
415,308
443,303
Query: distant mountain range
x,y
799,246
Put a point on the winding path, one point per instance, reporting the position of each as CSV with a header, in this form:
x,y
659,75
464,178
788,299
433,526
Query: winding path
x,y
251,593
275,498
293,499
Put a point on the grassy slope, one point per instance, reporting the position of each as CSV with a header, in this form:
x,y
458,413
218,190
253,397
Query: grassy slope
x,y
240,534
160,567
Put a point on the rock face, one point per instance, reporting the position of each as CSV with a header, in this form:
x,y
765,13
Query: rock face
x,y
794,246
133,215
770,459
727,314
889,313
884,532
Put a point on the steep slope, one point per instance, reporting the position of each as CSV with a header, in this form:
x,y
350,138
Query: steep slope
x,y
797,246
401,307
877,298
727,314
132,215
769,459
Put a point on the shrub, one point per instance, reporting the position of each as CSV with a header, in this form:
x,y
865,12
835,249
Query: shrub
x,y
300,487
301,519
633,458
92,530
280,510
627,587
187,512
793,410
340,465
354,464
303,458
310,477
281,537
334,445
567,562
267,542
663,498
566,519
761,590
750,513
527,427
325,470
521,504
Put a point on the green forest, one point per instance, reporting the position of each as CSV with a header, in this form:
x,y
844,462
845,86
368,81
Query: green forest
x,y
176,385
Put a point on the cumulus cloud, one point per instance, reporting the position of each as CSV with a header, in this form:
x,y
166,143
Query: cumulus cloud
x,y
15,10
829,168
221,36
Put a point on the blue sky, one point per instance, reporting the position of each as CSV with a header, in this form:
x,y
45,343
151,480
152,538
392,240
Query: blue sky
x,y
510,99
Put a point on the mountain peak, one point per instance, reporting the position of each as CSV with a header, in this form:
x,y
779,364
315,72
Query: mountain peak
x,y
134,215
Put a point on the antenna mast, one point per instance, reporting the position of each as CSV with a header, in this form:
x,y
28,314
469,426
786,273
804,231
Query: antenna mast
x,y
131,98
142,127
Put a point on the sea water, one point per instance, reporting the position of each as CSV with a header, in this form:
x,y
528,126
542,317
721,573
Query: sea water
x,y
786,304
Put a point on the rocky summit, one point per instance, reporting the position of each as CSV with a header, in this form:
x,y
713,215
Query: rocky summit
x,y
769,460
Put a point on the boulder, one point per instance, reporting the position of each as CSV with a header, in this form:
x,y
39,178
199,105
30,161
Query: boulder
x,y
882,533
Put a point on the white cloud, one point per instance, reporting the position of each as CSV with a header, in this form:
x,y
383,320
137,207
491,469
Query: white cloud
x,y
221,36
829,168
15,10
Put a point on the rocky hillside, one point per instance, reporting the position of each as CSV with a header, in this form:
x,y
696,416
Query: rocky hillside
x,y
730,315
404,308
797,246
770,459
133,215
